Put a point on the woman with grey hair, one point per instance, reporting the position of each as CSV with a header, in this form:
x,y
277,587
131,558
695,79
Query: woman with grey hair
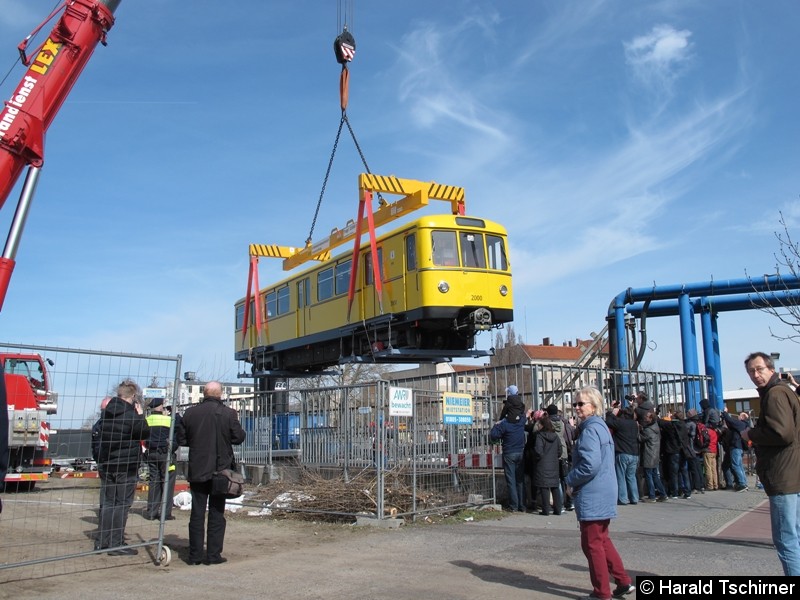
x,y
593,484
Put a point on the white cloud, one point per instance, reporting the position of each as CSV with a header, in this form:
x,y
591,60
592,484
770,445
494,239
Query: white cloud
x,y
658,57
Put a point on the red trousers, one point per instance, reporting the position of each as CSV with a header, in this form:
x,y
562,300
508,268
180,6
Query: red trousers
x,y
603,558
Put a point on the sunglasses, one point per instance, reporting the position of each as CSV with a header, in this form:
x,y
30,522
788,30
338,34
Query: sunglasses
x,y
578,404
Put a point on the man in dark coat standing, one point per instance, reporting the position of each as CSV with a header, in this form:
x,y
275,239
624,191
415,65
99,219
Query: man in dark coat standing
x,y
511,430
209,429
122,429
625,431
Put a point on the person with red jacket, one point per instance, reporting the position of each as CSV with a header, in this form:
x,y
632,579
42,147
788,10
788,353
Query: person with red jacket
x,y
710,459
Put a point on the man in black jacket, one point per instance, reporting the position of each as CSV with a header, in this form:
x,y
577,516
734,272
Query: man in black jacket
x,y
625,432
122,429
671,449
209,429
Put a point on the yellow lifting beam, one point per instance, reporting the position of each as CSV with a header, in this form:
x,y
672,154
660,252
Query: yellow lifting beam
x,y
415,195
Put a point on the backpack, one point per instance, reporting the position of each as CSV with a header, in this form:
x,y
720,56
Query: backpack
x,y
701,438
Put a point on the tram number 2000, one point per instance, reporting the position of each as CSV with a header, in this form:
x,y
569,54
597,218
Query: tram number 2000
x,y
477,298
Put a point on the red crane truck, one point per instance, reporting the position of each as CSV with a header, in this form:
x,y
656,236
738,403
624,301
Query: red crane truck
x,y
30,401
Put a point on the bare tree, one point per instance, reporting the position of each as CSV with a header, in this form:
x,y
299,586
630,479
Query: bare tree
x,y
346,374
504,348
787,262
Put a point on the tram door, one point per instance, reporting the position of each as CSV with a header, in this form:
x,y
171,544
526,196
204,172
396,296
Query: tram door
x,y
411,274
303,302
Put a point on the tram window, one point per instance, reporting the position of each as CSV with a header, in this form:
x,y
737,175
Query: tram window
x,y
283,300
411,252
325,285
445,248
240,315
342,277
497,253
368,278
472,252
271,304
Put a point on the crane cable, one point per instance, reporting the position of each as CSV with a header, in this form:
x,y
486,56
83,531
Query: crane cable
x,y
344,47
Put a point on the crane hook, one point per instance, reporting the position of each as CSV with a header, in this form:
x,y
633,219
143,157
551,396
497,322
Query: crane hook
x,y
344,46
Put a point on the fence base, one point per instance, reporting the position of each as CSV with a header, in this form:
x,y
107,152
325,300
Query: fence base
x,y
363,520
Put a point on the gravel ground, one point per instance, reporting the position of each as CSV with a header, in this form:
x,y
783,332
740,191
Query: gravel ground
x,y
507,555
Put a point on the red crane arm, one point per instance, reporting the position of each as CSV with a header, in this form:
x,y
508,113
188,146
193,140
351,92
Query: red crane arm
x,y
25,117
52,71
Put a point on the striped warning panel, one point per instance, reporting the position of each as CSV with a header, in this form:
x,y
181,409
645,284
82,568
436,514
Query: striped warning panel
x,y
477,460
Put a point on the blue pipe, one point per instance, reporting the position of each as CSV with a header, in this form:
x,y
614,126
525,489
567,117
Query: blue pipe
x,y
666,308
768,283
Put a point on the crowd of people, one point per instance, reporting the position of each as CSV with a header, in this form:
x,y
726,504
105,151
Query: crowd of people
x,y
537,447
657,456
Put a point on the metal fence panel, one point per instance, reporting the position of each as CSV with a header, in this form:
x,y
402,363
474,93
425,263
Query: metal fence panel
x,y
347,430
47,521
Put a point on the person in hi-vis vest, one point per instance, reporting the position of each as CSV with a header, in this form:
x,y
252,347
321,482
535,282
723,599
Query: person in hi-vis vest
x,y
160,461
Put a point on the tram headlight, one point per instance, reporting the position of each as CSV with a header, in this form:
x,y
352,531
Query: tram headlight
x,y
444,287
503,290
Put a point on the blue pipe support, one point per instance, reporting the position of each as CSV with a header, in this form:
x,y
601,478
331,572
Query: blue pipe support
x,y
689,351
711,359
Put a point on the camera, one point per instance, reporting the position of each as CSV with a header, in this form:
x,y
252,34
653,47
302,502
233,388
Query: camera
x,y
784,376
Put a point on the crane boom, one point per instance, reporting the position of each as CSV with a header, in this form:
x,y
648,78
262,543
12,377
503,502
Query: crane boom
x,y
25,117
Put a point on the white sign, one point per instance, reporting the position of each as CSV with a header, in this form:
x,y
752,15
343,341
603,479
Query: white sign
x,y
154,393
401,402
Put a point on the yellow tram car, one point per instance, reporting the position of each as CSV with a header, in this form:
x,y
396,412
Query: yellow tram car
x,y
445,278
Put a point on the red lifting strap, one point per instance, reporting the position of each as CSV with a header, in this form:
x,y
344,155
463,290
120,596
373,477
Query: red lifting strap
x,y
344,87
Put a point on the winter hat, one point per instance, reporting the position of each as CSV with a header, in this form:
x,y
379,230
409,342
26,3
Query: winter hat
x,y
156,402
704,404
512,390
691,413
552,410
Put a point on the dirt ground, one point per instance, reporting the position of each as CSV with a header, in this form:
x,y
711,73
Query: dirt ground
x,y
509,556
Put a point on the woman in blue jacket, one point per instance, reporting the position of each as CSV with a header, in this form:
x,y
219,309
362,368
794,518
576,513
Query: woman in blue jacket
x,y
593,483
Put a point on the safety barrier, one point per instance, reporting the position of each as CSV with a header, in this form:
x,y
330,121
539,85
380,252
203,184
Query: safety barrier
x,y
55,517
347,430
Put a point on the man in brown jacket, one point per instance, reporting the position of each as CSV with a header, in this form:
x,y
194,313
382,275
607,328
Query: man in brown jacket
x,y
776,438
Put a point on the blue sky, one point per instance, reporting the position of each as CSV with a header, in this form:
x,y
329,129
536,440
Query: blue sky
x,y
623,144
